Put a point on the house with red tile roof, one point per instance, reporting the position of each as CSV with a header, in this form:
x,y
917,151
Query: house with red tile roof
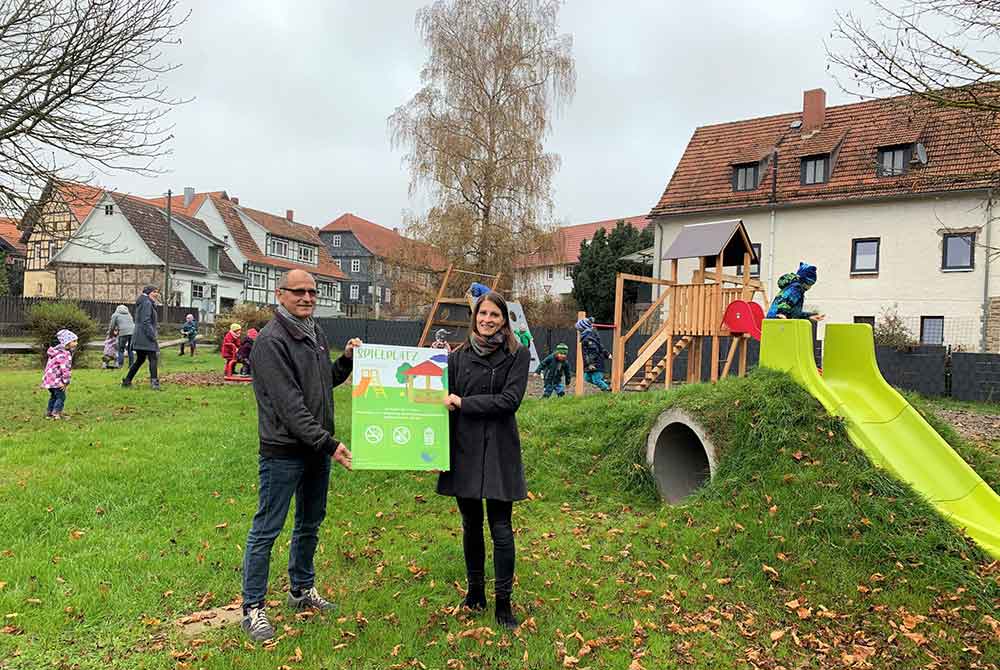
x,y
264,246
47,226
14,252
890,198
377,260
549,273
126,242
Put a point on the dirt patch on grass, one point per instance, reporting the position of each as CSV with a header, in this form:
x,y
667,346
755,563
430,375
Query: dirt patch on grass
x,y
194,379
972,425
198,623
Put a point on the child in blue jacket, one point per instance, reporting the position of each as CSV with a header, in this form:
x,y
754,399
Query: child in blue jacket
x,y
793,286
594,354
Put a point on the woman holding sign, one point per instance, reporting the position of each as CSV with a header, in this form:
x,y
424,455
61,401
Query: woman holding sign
x,y
487,376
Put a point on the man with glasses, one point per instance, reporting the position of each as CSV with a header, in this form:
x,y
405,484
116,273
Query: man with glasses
x,y
293,382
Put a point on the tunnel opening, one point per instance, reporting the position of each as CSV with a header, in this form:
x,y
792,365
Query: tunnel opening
x,y
679,455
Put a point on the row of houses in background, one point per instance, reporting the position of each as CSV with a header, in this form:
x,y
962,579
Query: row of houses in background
x,y
892,201
85,242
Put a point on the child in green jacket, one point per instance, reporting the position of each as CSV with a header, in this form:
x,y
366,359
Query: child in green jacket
x,y
553,369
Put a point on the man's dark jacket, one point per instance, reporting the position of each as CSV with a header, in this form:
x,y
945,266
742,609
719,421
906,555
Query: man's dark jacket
x,y
293,381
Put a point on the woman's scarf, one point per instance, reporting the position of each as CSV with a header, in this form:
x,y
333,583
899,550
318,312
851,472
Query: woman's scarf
x,y
484,346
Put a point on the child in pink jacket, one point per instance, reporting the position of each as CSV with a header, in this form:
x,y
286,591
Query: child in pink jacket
x,y
58,371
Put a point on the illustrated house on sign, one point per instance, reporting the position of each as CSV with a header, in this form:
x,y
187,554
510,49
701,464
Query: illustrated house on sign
x,y
427,394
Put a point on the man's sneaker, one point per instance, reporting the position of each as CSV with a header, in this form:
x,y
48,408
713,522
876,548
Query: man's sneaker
x,y
256,625
310,599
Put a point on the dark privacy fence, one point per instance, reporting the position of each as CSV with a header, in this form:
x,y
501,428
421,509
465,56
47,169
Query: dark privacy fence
x,y
930,370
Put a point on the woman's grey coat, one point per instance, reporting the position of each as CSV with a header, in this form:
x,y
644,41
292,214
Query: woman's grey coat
x,y
122,320
144,338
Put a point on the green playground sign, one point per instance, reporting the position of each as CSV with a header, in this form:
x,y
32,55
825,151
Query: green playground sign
x,y
398,417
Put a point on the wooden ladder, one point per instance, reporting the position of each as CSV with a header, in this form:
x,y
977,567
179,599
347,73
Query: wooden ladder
x,y
653,373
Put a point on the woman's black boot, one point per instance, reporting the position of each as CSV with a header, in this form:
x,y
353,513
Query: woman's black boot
x,y
504,614
475,599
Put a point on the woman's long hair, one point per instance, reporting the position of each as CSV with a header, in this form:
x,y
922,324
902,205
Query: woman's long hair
x,y
509,337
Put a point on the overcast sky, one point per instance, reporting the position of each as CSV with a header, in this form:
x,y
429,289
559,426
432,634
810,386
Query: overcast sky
x,y
290,99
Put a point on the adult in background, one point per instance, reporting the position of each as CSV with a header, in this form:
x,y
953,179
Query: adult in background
x,y
122,322
144,339
487,377
293,381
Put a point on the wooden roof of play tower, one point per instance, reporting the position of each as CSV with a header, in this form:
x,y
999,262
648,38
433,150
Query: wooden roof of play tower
x,y
708,240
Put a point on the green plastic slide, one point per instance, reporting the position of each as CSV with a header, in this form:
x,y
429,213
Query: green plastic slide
x,y
881,423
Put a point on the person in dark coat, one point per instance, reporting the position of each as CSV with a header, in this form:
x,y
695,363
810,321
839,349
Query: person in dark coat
x,y
487,377
295,422
144,340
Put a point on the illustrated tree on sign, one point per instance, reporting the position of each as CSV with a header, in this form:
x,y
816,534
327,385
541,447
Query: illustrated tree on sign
x,y
401,372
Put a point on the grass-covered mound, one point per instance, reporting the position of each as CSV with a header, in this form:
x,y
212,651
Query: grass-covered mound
x,y
800,554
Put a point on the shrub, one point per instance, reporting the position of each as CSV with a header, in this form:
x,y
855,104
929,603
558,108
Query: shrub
x,y
891,330
248,314
47,318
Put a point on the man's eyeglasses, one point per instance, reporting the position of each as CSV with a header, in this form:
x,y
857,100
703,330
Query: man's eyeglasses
x,y
299,292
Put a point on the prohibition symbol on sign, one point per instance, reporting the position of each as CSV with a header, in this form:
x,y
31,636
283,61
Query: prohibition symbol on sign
x,y
373,434
401,435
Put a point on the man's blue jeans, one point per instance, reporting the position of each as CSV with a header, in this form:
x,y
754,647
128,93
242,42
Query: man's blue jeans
x,y
308,479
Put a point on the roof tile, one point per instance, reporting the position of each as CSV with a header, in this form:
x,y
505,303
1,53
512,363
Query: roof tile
x,y
383,242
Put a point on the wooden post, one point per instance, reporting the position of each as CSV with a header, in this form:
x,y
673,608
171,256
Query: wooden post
x,y
579,358
743,356
668,374
437,301
733,346
716,318
617,345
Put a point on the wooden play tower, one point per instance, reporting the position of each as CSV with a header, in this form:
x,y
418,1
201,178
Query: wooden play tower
x,y
693,315
452,308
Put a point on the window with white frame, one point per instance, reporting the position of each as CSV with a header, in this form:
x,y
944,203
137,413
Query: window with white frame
x,y
378,293
336,240
378,267
355,291
323,289
256,280
336,261
278,247
550,273
388,295
197,291
356,265
568,272
307,254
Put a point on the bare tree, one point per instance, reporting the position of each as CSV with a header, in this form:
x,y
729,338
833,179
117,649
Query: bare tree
x,y
939,54
80,91
473,135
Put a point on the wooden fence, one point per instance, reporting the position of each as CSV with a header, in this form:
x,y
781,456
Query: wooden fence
x,y
14,312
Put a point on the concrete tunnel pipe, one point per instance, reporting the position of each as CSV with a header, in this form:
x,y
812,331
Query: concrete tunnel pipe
x,y
680,455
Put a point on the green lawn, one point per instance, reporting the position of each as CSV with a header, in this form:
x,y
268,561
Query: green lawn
x,y
133,514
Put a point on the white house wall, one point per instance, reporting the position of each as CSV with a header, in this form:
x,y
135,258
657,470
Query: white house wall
x,y
910,250
210,215
107,239
257,232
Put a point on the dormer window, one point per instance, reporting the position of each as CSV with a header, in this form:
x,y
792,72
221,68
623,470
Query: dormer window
x,y
745,176
278,247
109,210
307,254
815,170
892,161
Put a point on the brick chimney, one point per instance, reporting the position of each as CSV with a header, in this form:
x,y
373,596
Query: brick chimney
x,y
813,110
235,200
290,215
